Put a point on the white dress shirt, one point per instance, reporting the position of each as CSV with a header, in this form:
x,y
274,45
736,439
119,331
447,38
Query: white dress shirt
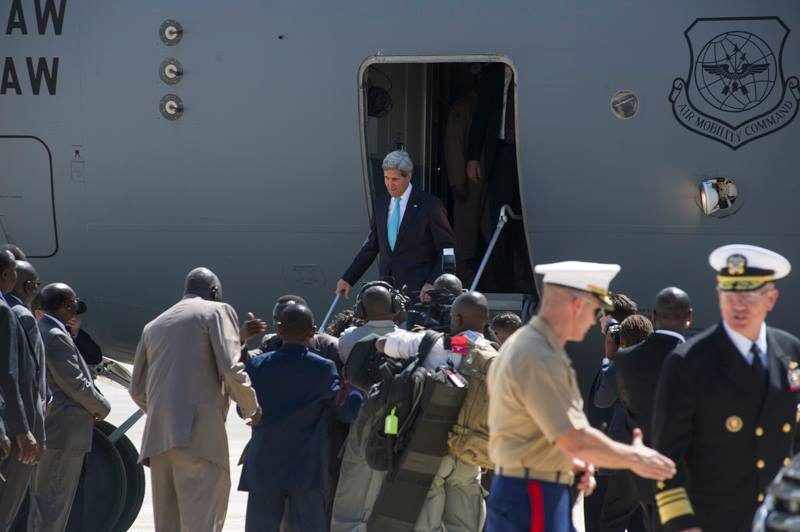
x,y
403,205
744,344
405,344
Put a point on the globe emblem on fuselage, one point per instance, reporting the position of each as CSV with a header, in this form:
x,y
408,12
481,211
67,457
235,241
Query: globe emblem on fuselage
x,y
735,71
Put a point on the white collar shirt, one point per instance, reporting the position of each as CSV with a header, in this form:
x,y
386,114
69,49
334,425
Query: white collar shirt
x,y
405,344
743,344
403,205
674,334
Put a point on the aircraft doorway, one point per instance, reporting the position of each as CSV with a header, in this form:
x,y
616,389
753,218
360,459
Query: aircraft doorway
x,y
446,113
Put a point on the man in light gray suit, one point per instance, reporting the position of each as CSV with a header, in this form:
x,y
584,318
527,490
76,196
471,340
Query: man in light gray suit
x,y
77,403
33,381
185,370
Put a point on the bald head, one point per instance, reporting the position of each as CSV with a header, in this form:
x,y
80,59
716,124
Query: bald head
x,y
672,310
377,303
15,250
204,283
470,313
449,283
59,300
296,325
27,282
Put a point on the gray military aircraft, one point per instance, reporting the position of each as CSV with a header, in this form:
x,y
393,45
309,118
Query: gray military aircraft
x,y
139,140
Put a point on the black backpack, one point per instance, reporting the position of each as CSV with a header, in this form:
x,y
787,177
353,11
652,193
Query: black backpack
x,y
399,390
363,366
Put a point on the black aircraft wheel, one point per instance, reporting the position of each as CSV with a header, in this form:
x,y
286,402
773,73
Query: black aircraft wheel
x,y
134,478
102,489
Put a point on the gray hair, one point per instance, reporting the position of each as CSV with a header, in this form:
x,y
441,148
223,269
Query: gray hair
x,y
399,160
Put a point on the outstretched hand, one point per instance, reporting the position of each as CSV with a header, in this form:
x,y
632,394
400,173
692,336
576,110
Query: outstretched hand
x,y
251,327
649,463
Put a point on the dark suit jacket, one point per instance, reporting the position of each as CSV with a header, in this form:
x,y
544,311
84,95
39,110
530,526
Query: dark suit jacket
x,y
484,130
76,401
296,389
33,379
727,431
17,373
417,256
638,368
606,395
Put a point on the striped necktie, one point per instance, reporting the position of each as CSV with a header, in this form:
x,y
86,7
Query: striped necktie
x,y
394,223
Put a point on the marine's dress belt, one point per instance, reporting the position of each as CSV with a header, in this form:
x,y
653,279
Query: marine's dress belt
x,y
557,477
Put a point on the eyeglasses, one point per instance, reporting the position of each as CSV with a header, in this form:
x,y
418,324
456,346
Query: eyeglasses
x,y
37,283
599,312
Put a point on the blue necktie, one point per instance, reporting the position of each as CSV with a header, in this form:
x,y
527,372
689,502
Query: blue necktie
x,y
394,223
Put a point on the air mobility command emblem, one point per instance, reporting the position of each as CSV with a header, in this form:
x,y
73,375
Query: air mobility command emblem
x,y
735,91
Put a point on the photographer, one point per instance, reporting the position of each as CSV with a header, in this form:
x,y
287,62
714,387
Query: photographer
x,y
455,498
358,483
600,418
621,508
434,314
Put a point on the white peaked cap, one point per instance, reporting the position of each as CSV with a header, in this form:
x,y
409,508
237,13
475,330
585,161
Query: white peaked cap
x,y
589,277
742,267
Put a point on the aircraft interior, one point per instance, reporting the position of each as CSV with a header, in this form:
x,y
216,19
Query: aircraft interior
x,y
426,108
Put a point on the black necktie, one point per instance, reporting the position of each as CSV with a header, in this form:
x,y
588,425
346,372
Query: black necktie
x,y
758,366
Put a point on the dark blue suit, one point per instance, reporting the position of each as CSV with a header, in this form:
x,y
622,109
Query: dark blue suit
x,y
288,455
417,255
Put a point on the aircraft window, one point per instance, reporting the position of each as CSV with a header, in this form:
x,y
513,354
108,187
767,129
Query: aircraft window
x,y
624,104
424,105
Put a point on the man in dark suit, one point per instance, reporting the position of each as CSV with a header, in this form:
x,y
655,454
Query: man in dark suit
x,y
287,458
637,371
493,135
70,425
34,387
17,373
408,232
726,403
326,346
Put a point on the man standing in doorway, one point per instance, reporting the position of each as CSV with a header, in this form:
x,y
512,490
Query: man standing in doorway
x,y
493,136
408,232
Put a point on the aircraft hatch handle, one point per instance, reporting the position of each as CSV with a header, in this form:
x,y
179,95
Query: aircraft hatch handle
x,y
506,212
330,313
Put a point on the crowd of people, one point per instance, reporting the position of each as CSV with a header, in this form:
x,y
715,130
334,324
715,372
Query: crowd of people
x,y
371,426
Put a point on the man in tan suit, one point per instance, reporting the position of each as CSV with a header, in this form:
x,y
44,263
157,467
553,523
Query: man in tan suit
x,y
468,195
184,373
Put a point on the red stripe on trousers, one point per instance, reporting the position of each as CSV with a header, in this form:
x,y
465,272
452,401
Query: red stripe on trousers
x,y
537,506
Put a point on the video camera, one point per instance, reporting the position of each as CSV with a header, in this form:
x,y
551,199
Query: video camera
x,y
434,314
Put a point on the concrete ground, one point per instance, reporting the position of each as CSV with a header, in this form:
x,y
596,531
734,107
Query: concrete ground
x,y
238,435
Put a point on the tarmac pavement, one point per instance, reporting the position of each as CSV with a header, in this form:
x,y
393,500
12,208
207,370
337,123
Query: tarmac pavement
x,y
238,434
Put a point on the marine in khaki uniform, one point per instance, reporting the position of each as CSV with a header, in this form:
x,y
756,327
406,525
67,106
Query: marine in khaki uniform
x,y
726,402
539,435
